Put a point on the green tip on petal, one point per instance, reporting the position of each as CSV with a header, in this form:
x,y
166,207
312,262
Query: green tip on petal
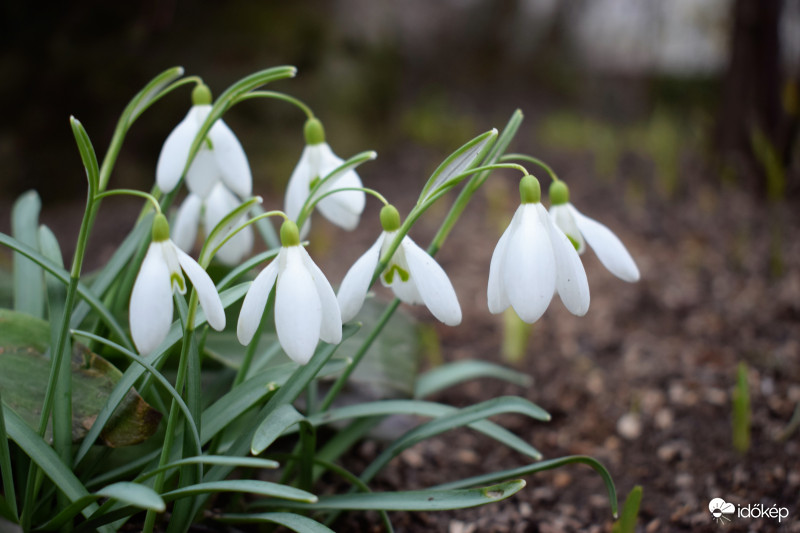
x,y
314,132
160,228
390,218
559,193
290,236
530,192
201,95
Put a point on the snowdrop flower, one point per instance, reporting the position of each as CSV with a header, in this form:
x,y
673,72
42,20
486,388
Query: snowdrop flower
x,y
412,274
220,158
305,304
317,161
160,275
196,211
218,173
533,260
581,230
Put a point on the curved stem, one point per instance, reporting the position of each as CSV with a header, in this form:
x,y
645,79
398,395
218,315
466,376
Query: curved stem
x,y
277,96
531,159
229,236
130,192
309,207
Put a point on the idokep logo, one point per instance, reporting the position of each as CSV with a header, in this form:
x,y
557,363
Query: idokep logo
x,y
719,508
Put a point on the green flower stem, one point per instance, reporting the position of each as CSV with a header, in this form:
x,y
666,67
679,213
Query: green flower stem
x,y
130,192
206,254
172,422
309,208
531,159
277,96
241,374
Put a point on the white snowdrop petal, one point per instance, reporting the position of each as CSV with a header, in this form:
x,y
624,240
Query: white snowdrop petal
x,y
298,188
354,286
151,302
571,282
496,294
406,291
529,271
331,327
298,310
231,159
562,216
239,246
184,229
432,283
203,173
206,291
175,150
609,249
254,303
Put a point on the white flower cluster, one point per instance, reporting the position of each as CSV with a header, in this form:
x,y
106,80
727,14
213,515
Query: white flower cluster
x,y
536,257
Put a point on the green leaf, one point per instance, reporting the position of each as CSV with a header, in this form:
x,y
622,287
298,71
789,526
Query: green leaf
x,y
426,409
64,276
295,522
453,373
44,456
9,503
413,500
149,94
273,425
88,155
541,466
630,512
462,159
250,486
28,278
23,341
462,417
741,410
124,492
238,462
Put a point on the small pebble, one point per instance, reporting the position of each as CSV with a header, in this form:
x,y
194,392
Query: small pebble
x,y
629,426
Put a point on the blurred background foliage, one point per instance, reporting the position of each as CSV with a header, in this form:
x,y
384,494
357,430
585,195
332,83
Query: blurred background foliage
x,y
612,78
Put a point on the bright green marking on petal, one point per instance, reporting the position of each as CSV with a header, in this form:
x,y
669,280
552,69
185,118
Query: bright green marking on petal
x,y
559,193
176,280
388,275
313,183
160,228
574,242
209,144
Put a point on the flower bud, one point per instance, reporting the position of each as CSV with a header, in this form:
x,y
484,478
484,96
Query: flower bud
x,y
530,192
559,193
201,94
314,132
290,235
390,218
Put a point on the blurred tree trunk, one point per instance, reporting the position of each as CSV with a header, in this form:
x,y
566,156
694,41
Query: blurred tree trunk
x,y
751,90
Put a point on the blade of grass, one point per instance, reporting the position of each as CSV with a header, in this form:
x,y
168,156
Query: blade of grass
x,y
453,373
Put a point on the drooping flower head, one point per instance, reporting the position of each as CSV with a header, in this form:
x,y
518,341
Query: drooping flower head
x,y
161,273
218,178
306,310
317,161
582,230
413,275
533,260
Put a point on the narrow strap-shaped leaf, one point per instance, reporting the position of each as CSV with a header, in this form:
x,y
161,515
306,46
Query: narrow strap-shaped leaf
x,y
149,94
88,155
453,373
134,372
238,462
413,500
6,472
7,512
28,279
462,159
462,417
250,486
540,466
44,456
63,276
124,492
273,425
426,409
292,521
630,512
